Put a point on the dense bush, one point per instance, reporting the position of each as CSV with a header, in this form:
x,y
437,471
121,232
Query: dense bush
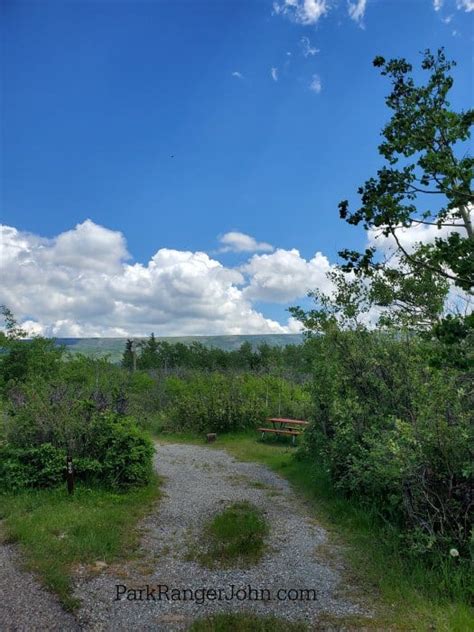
x,y
35,359
116,454
396,432
41,466
217,402
123,451
44,421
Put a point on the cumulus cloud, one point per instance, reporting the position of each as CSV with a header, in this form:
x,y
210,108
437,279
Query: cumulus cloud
x,y
315,84
410,238
285,276
237,74
89,246
306,47
437,4
240,242
304,12
356,10
274,74
81,284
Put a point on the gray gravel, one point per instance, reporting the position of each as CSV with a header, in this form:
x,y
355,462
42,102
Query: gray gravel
x,y
24,605
198,482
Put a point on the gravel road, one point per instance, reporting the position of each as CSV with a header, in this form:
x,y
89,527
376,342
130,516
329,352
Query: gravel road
x,y
198,482
24,605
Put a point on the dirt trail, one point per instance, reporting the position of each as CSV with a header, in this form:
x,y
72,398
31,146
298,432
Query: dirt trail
x,y
198,482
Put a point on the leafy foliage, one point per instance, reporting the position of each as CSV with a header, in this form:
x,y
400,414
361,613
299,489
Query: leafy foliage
x,y
426,182
165,356
216,402
41,466
52,409
113,452
393,405
396,432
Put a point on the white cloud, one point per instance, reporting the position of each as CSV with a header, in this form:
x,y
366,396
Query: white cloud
x,y
285,276
81,284
240,242
237,74
356,10
410,238
89,246
274,74
467,5
302,11
462,5
315,84
307,48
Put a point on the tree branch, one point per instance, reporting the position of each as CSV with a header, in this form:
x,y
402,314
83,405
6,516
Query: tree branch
x,y
422,263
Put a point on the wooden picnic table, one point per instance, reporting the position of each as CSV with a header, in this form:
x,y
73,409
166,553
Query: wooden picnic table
x,y
285,427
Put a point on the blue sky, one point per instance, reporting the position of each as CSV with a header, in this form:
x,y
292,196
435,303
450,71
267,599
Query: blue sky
x,y
97,97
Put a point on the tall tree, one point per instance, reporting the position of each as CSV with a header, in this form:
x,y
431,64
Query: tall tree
x,y
13,330
127,357
21,359
426,181
149,353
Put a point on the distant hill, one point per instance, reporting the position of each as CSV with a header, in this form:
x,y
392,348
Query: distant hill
x,y
113,347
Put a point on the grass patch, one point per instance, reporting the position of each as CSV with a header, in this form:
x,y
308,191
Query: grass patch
x,y
57,531
245,623
437,597
234,537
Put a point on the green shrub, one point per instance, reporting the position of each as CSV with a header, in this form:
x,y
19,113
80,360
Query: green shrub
x,y
123,450
21,360
119,455
217,402
41,466
395,432
45,421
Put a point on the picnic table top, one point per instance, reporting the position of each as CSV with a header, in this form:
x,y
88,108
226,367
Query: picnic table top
x,y
296,422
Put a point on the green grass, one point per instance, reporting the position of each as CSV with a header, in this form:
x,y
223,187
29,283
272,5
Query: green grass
x,y
244,623
234,537
411,596
57,531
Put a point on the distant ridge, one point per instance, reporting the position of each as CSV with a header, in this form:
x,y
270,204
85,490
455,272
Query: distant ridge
x,y
113,347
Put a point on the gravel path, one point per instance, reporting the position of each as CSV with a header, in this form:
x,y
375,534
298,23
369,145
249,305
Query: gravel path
x,y
24,605
198,482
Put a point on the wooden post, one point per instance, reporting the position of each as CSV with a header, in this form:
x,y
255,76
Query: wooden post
x,y
69,474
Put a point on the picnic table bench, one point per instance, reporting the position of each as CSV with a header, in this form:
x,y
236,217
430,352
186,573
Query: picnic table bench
x,y
285,427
